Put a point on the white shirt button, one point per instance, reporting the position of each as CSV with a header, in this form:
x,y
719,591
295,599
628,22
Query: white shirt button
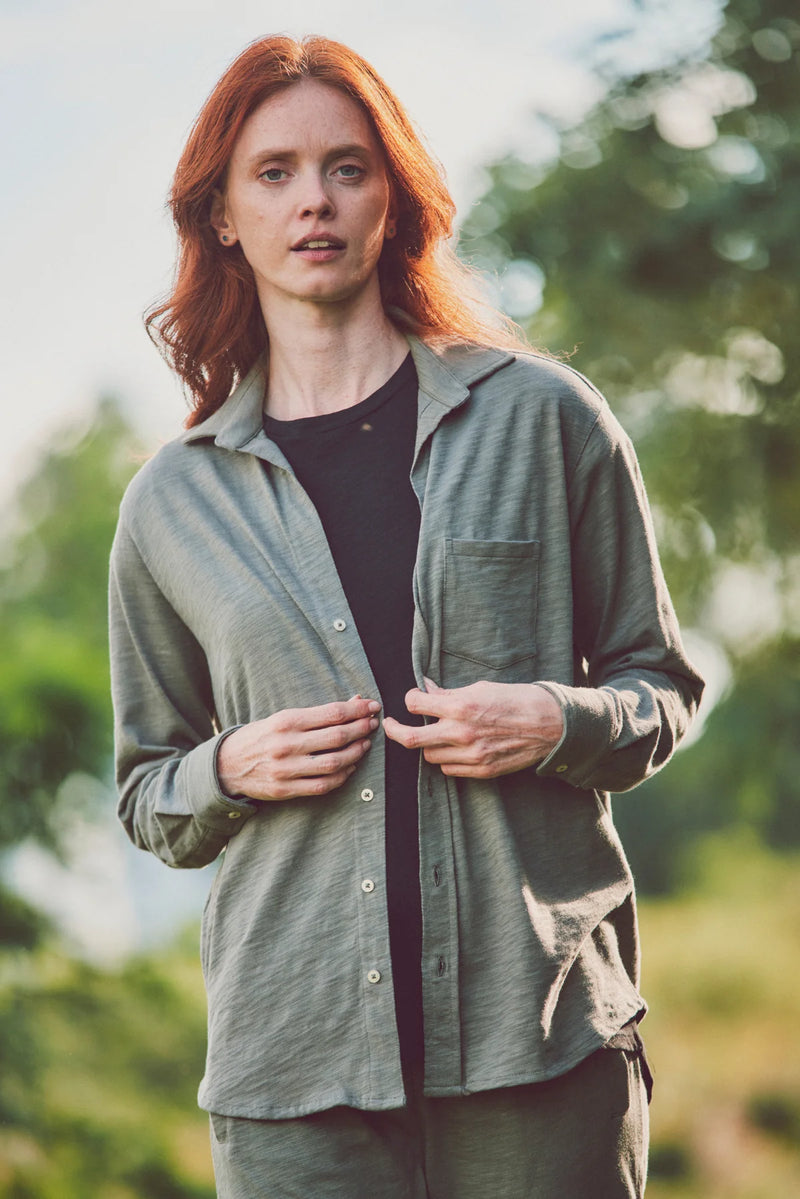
x,y
340,625
374,976
234,815
368,885
367,794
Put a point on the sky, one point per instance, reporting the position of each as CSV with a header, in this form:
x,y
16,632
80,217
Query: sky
x,y
96,99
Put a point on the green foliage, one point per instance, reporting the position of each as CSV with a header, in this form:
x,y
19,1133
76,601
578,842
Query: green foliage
x,y
22,927
666,233
743,773
100,1071
777,1114
54,681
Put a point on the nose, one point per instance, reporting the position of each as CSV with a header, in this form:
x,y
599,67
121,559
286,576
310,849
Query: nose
x,y
316,200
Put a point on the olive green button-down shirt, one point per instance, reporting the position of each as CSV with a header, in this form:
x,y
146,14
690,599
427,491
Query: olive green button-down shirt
x,y
536,562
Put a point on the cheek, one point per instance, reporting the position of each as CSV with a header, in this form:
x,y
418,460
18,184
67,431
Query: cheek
x,y
257,235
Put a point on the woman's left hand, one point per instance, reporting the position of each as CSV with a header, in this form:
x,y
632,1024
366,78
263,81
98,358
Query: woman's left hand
x,y
483,730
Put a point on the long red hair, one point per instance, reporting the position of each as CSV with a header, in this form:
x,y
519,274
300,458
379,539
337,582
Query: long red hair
x,y
210,328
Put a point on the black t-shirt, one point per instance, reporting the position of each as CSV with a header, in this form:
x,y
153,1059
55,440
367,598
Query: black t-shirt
x,y
354,465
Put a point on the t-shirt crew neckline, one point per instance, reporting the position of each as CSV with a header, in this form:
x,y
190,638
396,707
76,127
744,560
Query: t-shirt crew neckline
x,y
304,425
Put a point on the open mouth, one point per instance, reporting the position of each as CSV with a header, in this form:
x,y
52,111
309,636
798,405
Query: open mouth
x,y
319,243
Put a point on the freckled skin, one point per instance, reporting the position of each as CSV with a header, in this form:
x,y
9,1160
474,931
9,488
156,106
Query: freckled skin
x,y
307,162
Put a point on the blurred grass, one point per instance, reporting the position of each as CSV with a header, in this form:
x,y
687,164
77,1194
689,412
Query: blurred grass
x,y
722,975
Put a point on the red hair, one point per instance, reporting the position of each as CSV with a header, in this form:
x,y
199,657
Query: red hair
x,y
210,327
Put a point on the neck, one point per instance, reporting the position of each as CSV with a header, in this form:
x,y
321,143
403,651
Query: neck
x,y
323,358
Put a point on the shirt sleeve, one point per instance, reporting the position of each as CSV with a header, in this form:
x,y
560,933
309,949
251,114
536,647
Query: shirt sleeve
x,y
170,799
640,691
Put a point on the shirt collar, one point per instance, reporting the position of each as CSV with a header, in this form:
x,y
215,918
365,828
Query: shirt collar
x,y
445,375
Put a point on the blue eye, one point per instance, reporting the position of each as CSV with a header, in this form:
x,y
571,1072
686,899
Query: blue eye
x,y
349,170
272,174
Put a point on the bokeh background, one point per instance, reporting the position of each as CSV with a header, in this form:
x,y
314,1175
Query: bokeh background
x,y
628,179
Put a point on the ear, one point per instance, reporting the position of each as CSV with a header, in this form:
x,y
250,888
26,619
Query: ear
x,y
220,221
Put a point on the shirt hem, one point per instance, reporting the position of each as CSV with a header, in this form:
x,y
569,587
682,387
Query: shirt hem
x,y
391,1102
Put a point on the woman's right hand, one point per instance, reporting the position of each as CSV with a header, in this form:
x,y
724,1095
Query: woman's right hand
x,y
298,751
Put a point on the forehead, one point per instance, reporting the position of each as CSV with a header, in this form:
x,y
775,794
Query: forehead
x,y
305,115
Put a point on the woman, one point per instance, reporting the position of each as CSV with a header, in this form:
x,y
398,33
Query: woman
x,y
388,529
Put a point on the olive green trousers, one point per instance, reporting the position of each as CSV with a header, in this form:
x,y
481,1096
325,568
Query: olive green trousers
x,y
580,1136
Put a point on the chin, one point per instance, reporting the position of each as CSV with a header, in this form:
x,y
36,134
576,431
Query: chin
x,y
334,294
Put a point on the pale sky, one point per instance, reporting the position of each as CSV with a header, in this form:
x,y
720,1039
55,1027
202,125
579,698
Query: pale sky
x,y
96,97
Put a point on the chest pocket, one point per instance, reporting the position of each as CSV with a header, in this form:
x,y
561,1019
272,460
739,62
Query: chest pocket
x,y
490,601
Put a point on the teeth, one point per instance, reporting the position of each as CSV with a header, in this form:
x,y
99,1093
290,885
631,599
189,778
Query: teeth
x,y
317,245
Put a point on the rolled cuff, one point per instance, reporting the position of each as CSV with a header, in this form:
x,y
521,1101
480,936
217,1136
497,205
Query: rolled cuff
x,y
209,804
590,731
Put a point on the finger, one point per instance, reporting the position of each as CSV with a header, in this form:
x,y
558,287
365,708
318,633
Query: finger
x,y
335,736
430,686
323,764
324,715
436,703
416,736
464,755
286,775
303,787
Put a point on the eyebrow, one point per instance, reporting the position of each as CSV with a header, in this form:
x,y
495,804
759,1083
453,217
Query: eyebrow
x,y
334,152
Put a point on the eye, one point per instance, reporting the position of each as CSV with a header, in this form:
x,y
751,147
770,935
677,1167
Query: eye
x,y
272,174
349,170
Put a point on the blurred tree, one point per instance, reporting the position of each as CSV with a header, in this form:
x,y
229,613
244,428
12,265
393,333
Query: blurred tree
x,y
99,1067
54,672
662,247
742,773
663,244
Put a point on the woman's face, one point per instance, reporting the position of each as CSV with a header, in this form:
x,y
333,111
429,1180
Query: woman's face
x,y
307,197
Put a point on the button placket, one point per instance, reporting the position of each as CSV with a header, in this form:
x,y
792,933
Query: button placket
x,y
440,981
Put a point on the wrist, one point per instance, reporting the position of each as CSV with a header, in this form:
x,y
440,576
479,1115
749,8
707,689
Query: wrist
x,y
226,765
549,717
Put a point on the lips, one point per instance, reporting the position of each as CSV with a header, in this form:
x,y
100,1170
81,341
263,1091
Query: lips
x,y
319,241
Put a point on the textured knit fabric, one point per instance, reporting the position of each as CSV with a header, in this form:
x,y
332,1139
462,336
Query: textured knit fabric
x,y
536,561
580,1136
354,465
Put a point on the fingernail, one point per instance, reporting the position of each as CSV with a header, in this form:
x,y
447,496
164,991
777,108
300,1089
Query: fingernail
x,y
374,706
366,744
373,724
